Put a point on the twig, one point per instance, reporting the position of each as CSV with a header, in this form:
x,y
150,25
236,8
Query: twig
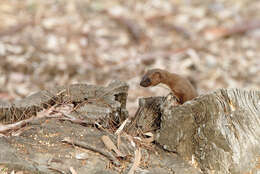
x,y
108,155
75,120
57,170
216,33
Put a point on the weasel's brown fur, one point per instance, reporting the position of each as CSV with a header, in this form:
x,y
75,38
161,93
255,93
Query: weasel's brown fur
x,y
180,86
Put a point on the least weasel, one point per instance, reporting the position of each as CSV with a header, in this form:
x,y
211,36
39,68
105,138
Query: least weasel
x,y
180,86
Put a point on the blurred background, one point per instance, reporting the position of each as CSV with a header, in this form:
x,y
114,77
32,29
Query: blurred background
x,y
57,42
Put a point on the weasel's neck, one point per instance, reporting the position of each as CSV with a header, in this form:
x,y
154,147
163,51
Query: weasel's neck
x,y
169,79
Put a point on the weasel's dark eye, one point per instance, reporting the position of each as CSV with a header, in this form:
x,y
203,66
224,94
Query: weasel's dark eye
x,y
145,82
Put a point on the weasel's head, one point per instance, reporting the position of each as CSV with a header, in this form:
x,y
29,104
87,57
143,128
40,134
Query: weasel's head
x,y
151,78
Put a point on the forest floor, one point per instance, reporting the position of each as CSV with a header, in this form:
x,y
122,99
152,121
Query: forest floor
x,y
49,43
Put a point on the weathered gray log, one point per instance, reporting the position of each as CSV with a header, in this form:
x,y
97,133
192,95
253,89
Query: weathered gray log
x,y
40,143
94,102
221,130
46,153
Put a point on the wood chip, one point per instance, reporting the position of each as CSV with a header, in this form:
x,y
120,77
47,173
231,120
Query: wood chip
x,y
150,139
111,146
72,170
137,160
121,127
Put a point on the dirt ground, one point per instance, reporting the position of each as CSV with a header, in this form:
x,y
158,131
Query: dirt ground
x,y
49,43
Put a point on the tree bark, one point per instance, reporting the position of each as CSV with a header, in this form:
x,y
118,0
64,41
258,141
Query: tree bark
x,y
221,130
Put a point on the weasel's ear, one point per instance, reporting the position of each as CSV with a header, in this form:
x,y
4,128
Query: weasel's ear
x,y
157,75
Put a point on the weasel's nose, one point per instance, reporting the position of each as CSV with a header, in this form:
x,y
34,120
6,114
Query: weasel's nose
x,y
145,82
